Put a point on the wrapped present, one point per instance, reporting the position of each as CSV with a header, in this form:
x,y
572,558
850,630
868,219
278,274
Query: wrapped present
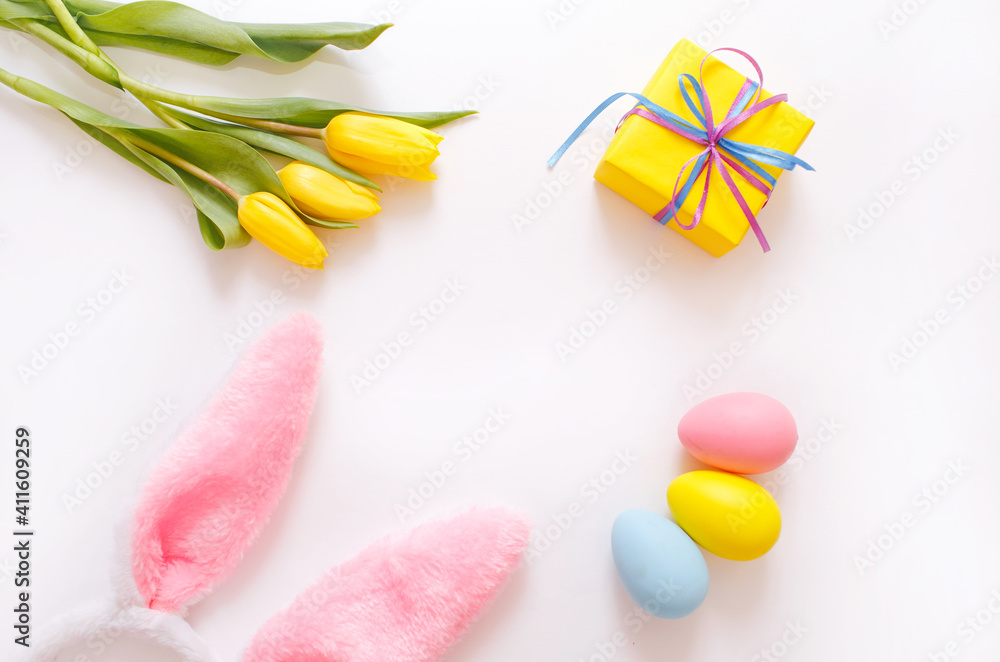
x,y
703,149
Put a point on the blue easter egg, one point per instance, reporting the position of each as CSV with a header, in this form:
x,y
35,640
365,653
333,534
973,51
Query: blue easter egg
x,y
661,567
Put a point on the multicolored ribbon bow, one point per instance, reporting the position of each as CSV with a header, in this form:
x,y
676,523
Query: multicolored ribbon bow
x,y
743,158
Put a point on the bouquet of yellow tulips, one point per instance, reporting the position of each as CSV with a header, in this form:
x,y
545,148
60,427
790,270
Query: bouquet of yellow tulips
x,y
212,148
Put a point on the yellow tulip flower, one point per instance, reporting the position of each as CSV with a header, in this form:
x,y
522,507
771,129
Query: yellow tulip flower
x,y
270,221
326,196
382,145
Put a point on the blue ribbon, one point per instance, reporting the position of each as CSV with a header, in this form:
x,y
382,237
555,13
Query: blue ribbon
x,y
749,155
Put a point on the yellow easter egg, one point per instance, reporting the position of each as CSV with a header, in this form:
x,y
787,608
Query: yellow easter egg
x,y
729,515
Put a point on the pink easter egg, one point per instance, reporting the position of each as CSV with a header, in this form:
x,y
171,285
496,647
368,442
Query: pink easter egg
x,y
745,433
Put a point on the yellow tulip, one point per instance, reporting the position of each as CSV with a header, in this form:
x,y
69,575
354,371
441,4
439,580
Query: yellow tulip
x,y
273,223
382,145
368,167
326,196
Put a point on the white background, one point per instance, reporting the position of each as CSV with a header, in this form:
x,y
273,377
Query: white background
x,y
878,100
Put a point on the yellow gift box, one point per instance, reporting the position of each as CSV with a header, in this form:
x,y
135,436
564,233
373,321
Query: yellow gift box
x,y
644,159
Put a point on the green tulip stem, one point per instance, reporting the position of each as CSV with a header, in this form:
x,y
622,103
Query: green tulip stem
x,y
26,87
190,102
101,67
140,89
96,66
172,158
71,27
13,82
157,109
269,125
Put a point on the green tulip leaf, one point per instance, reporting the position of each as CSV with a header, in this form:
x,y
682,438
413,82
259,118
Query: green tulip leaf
x,y
211,233
314,113
217,218
217,212
220,230
14,9
185,50
12,17
68,106
330,225
300,111
117,147
295,42
175,29
230,160
218,208
11,10
274,144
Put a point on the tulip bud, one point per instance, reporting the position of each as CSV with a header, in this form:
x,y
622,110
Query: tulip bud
x,y
382,145
273,223
326,196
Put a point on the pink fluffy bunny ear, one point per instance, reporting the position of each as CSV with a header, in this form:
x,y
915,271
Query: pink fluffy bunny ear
x,y
403,600
210,495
